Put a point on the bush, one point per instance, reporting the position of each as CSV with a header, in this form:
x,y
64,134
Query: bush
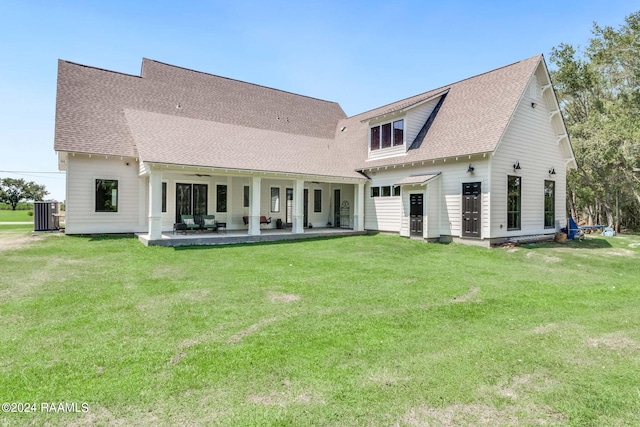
x,y
30,213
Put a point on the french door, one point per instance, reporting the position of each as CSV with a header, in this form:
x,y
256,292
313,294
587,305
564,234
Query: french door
x,y
289,207
191,199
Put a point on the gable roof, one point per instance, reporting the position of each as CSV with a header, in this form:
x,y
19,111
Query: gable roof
x,y
90,105
472,119
179,116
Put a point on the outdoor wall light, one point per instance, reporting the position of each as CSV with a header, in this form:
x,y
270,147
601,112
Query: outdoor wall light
x,y
516,166
470,169
552,171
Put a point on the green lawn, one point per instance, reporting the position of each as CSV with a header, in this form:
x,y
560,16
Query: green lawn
x,y
15,216
356,331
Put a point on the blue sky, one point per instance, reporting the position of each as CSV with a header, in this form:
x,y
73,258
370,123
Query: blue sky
x,y
359,54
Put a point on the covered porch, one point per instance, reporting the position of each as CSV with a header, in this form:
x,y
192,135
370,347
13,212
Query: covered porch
x,y
294,204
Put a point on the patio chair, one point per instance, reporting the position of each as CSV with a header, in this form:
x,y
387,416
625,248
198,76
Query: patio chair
x,y
190,222
209,222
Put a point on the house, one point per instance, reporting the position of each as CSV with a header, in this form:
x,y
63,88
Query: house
x,y
480,161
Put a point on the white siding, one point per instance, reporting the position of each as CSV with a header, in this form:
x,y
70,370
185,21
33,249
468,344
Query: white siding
x,y
383,213
416,118
384,153
443,197
531,140
82,173
433,219
454,174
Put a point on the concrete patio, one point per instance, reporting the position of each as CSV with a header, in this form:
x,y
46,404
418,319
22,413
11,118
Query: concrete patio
x,y
240,236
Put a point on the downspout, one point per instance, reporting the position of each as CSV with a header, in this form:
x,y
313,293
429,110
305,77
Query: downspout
x,y
489,197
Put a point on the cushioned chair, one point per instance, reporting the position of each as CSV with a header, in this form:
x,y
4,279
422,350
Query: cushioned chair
x,y
190,222
209,222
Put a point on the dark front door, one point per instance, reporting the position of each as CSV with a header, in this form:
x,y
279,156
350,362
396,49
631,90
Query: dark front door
x,y
416,213
471,209
191,199
336,208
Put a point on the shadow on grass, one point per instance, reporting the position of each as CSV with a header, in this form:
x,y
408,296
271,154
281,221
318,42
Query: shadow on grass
x,y
587,243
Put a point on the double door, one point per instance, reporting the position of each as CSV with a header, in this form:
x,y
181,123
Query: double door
x,y
191,199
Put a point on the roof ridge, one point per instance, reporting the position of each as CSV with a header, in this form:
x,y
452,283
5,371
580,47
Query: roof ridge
x,y
99,69
448,86
239,81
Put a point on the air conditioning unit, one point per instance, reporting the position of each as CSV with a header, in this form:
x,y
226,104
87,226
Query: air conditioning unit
x,y
45,216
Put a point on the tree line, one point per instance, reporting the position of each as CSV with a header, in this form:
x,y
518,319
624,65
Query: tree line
x,y
598,89
14,191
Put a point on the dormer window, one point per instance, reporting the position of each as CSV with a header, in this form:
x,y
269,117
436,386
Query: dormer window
x,y
387,135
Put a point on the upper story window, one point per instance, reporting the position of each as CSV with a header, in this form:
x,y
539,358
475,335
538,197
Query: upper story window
x,y
387,135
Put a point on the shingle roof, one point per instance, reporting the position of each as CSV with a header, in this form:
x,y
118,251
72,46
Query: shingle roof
x,y
235,124
471,120
91,102
417,179
163,138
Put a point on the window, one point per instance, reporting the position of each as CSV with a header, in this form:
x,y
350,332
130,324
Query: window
x,y
221,198
106,195
317,200
398,132
514,196
387,135
164,197
549,204
275,199
385,191
246,196
375,138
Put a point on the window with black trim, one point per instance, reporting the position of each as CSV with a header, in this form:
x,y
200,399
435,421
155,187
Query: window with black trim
x,y
275,199
387,135
106,195
317,201
221,198
164,197
514,201
385,191
549,204
246,196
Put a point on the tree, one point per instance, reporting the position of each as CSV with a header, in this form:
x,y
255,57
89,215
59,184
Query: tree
x,y
599,94
14,191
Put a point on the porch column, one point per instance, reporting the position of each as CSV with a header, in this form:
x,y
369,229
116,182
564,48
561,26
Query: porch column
x,y
298,206
155,204
358,215
254,206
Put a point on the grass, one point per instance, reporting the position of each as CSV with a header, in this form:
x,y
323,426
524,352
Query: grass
x,y
15,216
369,330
